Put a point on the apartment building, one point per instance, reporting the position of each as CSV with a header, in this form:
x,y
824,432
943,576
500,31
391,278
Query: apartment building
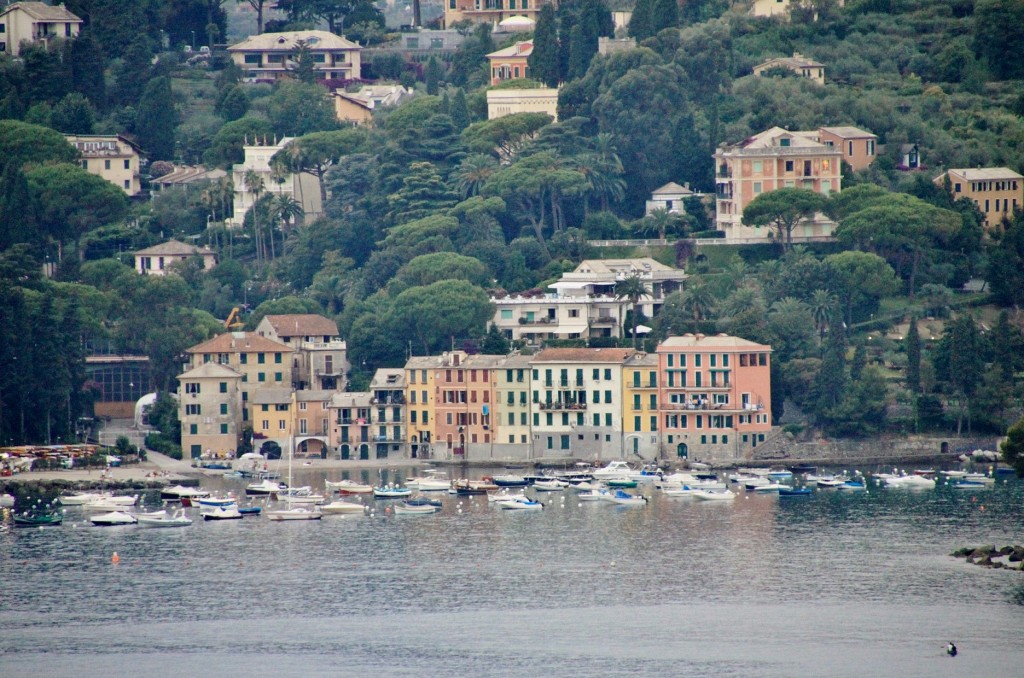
x,y
640,415
491,11
253,178
577,402
387,412
272,56
997,191
311,428
858,146
320,361
273,421
714,396
210,409
420,399
349,421
111,157
513,431
773,159
35,23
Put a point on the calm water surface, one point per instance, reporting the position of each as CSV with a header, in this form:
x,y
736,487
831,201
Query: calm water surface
x,y
834,585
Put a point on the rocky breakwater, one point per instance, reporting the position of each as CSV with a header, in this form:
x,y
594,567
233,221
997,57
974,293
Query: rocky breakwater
x,y
1006,558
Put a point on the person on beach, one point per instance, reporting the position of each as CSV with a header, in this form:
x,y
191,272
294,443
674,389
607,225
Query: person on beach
x,y
951,649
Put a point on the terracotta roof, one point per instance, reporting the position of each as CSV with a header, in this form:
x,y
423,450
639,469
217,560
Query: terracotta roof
x,y
302,325
716,341
209,371
286,42
583,355
240,342
174,248
43,12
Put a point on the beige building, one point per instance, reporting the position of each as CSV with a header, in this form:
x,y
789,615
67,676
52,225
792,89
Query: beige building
x,y
859,147
320,361
640,406
502,102
210,410
799,64
670,198
420,397
358,107
350,425
302,187
261,362
311,430
35,22
387,413
184,177
513,425
271,56
997,191
768,161
577,402
779,8
158,259
112,157
271,411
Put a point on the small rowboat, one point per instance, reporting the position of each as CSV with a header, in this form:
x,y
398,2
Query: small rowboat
x,y
38,519
795,492
391,492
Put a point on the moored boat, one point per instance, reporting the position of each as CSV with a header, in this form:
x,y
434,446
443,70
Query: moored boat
x,y
38,519
113,518
407,507
230,512
391,492
795,491
340,507
509,480
265,487
504,495
617,469
80,498
178,519
714,495
347,486
912,482
178,491
520,505
296,513
551,485
625,498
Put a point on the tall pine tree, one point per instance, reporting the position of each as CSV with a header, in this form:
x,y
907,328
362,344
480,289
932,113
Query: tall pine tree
x,y
460,111
641,23
543,61
913,347
664,14
156,120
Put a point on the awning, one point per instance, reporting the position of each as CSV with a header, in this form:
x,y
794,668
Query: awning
x,y
569,285
642,329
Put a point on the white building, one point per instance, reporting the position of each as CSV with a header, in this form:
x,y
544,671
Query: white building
x,y
302,187
502,102
670,198
35,22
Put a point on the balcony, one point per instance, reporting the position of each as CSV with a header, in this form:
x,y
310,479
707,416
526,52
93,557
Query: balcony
x,y
393,399
710,407
570,382
724,172
538,321
604,320
559,405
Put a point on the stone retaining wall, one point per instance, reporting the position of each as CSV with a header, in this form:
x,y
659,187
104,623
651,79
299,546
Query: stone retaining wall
x,y
880,449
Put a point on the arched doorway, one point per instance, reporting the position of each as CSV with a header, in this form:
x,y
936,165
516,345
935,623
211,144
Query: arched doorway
x,y
364,451
270,450
346,453
682,451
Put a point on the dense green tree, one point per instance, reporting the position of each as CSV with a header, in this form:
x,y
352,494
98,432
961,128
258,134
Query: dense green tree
x,y
427,269
317,152
298,108
87,68
460,111
73,115
641,24
543,61
18,212
494,342
860,280
227,146
157,119
832,379
1012,448
996,34
441,313
912,345
423,193
634,289
664,14
504,136
433,75
22,142
1005,271
234,104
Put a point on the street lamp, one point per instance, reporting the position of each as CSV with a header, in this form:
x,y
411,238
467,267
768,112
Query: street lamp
x,y
193,39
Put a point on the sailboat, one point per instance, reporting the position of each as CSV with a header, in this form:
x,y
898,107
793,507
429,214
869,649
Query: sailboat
x,y
293,512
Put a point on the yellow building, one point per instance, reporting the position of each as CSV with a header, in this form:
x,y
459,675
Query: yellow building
x,y
420,399
273,419
111,157
502,102
997,191
640,405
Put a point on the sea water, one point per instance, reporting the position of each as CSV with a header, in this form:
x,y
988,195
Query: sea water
x,y
837,584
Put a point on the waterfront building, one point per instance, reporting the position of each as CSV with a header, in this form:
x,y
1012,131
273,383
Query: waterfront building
x,y
320,361
577,402
272,56
997,191
272,420
513,431
311,429
210,409
387,412
158,259
350,424
35,23
261,362
640,416
714,395
773,159
111,157
420,398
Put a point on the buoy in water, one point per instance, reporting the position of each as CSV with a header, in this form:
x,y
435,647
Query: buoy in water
x,y
115,559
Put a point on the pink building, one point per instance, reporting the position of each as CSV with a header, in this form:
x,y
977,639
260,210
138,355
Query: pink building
x,y
715,396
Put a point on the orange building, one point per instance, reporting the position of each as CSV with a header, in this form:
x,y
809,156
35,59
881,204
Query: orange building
x,y
858,146
510,63
997,191
715,396
768,161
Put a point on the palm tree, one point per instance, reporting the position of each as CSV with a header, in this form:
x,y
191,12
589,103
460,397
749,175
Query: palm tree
x,y
788,306
254,184
632,288
740,300
823,307
284,209
473,173
658,222
698,300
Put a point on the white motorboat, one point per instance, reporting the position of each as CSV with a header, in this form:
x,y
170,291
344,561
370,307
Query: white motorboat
x,y
586,486
265,487
551,485
302,498
755,482
297,513
213,502
347,486
122,500
432,480
714,495
80,499
178,519
769,488
681,491
912,482
391,492
230,512
404,508
342,507
830,482
112,518
520,505
6,500
592,495
178,491
953,473
979,478
780,474
504,495
106,504
618,469
624,498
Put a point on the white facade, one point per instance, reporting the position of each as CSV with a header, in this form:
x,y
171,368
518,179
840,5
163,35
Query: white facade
x,y
502,102
302,187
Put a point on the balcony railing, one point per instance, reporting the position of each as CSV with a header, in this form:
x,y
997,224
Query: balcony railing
x,y
570,382
604,320
538,321
559,405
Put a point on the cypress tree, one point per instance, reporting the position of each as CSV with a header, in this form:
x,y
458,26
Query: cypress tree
x,y
1004,355
641,23
543,61
860,360
664,14
433,75
17,210
913,347
460,110
87,69
830,382
156,120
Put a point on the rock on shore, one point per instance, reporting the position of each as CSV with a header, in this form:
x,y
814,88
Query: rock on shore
x,y
990,556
